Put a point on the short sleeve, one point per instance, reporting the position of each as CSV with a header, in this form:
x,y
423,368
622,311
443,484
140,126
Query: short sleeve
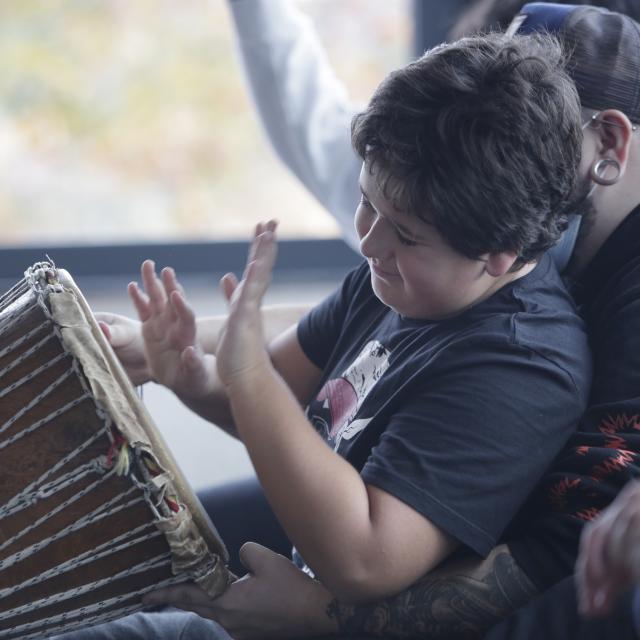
x,y
320,329
471,443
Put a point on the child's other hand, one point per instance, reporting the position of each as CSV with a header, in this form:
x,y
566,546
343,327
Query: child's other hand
x,y
173,355
241,352
125,337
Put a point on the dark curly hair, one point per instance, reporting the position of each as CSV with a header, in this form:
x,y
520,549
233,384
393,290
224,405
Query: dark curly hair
x,y
482,139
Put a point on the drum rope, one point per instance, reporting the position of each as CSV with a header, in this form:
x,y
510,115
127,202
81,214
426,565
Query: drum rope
x,y
58,509
39,423
32,374
19,342
37,399
49,472
89,610
14,293
11,320
93,516
43,282
119,543
29,498
162,560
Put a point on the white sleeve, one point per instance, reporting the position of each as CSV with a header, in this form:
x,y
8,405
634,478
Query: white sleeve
x,y
304,108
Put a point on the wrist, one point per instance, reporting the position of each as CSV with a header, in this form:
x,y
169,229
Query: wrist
x,y
250,379
319,618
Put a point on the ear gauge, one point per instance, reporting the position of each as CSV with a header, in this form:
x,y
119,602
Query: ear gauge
x,y
599,168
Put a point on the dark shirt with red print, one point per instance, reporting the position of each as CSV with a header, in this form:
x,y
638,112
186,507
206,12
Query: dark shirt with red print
x,y
604,453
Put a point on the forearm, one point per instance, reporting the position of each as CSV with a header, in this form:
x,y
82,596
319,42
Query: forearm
x,y
214,408
463,598
275,320
319,498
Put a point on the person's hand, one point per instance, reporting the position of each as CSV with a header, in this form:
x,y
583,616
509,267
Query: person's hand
x,y
173,355
125,337
274,600
241,351
609,558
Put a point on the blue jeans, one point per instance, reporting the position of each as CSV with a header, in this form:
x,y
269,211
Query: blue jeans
x,y
169,624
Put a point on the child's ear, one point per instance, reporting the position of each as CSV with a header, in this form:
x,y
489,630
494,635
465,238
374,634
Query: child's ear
x,y
497,264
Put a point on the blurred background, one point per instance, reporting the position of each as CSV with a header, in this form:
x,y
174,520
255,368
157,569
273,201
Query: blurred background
x,y
126,132
129,121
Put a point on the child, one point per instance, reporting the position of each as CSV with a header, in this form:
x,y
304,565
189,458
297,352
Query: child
x,y
449,369
446,372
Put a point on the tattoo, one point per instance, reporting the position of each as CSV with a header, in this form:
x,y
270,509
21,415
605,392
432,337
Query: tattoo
x,y
461,599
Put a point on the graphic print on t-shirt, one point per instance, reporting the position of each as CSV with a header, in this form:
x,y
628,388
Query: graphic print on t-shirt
x,y
333,411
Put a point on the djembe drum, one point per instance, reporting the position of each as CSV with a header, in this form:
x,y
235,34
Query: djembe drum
x,y
94,513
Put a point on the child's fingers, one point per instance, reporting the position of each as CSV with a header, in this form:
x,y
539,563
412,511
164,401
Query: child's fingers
x,y
260,228
258,272
140,301
170,281
106,331
184,315
192,359
271,225
193,363
153,286
171,284
257,232
228,285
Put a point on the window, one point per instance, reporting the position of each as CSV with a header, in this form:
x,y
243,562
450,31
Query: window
x,y
129,121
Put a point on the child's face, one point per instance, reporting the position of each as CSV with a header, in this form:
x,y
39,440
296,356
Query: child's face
x,y
413,270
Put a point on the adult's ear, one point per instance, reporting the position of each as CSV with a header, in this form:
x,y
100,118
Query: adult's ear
x,y
498,264
615,132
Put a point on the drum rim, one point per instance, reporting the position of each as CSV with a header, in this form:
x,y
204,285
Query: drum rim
x,y
160,449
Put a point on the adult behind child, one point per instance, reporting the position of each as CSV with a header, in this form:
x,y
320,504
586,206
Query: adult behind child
x,y
427,355
306,109
603,454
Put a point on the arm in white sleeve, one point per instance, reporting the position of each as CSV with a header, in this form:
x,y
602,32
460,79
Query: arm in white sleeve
x,y
304,108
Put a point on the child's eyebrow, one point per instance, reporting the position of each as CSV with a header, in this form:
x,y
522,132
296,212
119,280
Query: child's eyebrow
x,y
397,225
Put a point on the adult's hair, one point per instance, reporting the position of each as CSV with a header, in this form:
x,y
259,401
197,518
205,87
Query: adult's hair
x,y
500,13
481,138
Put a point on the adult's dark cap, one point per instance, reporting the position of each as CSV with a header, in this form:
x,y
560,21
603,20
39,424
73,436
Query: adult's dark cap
x,y
603,47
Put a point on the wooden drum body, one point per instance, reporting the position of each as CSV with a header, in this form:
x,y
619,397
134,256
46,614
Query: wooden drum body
x,y
94,513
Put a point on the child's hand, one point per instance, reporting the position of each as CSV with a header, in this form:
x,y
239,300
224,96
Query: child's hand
x,y
125,337
169,331
241,352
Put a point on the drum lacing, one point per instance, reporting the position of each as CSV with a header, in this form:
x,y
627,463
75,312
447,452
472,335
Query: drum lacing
x,y
69,620
97,514
41,278
115,545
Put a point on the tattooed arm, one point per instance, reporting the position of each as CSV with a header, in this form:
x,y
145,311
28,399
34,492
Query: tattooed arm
x,y
461,599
